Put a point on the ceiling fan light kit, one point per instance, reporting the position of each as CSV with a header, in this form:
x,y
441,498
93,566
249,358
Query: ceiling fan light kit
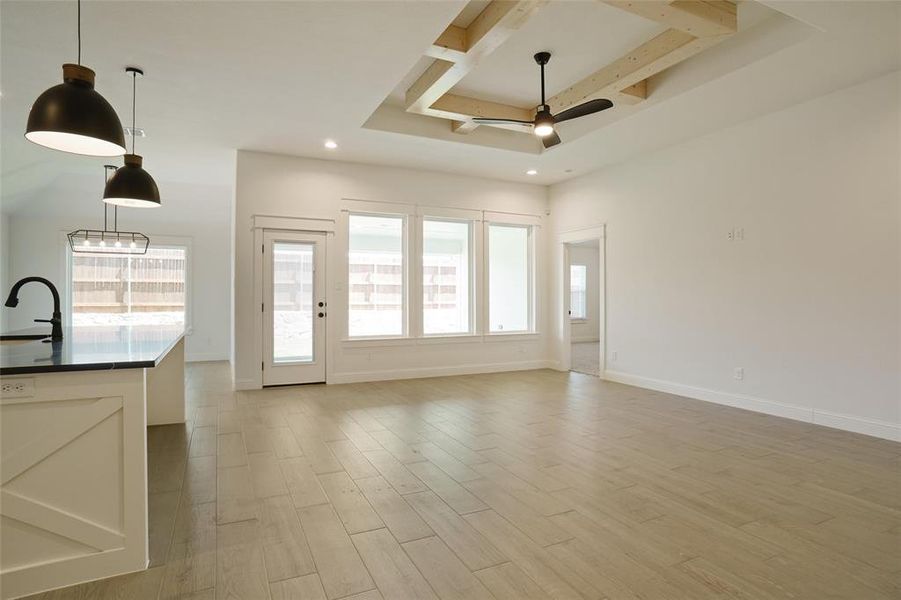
x,y
73,117
544,123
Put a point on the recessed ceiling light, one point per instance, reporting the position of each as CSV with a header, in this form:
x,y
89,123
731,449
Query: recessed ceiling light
x,y
331,144
531,172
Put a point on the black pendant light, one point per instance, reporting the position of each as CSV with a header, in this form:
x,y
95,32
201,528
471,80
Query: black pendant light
x,y
131,185
73,117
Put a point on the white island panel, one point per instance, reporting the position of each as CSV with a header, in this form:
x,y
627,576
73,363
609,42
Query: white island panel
x,y
73,479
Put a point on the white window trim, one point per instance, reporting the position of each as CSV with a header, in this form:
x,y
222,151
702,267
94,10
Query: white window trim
x,y
479,319
156,241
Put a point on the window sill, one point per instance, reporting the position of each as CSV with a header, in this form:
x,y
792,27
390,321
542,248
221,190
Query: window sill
x,y
463,338
450,338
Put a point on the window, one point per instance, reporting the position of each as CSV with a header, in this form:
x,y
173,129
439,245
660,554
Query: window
x,y
446,277
148,289
292,302
375,283
578,285
509,278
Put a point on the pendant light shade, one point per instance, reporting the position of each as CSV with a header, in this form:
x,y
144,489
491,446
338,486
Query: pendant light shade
x,y
73,117
132,186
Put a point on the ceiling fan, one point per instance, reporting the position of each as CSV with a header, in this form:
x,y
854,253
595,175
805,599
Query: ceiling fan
x,y
543,124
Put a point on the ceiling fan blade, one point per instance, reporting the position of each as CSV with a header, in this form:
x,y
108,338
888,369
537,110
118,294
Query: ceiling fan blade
x,y
581,110
489,121
550,140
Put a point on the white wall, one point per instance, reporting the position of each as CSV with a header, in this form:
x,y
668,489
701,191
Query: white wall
x,y
4,267
306,188
807,303
588,329
197,213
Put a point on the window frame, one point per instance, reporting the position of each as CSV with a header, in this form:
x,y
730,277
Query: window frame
x,y
156,241
471,272
405,274
532,300
413,215
573,317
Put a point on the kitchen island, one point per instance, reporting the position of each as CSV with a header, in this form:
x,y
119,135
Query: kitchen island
x,y
73,478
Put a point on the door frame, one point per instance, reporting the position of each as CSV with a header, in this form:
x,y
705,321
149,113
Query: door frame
x,y
295,373
564,239
261,223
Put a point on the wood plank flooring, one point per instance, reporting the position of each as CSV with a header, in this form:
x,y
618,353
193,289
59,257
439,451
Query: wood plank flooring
x,y
526,485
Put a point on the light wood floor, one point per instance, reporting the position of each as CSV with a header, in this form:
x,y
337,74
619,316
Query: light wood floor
x,y
525,485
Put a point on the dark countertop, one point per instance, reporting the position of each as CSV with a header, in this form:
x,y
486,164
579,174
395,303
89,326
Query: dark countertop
x,y
87,349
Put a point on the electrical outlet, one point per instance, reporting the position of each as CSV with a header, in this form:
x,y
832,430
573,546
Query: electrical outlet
x,y
17,388
613,356
738,373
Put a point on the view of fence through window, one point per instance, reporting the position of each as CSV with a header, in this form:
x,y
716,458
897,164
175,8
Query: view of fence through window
x,y
445,276
292,315
375,276
509,285
123,289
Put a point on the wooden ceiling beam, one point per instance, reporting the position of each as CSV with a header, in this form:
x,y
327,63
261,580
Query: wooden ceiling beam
x,y
667,49
700,18
463,127
695,25
450,45
490,29
632,94
463,108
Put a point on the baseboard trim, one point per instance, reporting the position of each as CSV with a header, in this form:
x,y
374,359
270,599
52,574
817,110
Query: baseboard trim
x,y
419,373
872,427
246,384
205,357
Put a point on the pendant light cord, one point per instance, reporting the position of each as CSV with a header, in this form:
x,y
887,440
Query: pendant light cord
x,y
79,31
134,103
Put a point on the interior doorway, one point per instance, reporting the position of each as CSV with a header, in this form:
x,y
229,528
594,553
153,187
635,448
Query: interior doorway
x,y
585,307
294,307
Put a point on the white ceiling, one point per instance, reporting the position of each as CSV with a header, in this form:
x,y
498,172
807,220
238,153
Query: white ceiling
x,y
283,76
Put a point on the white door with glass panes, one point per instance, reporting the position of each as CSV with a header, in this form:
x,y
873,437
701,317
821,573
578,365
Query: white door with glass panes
x,y
294,308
